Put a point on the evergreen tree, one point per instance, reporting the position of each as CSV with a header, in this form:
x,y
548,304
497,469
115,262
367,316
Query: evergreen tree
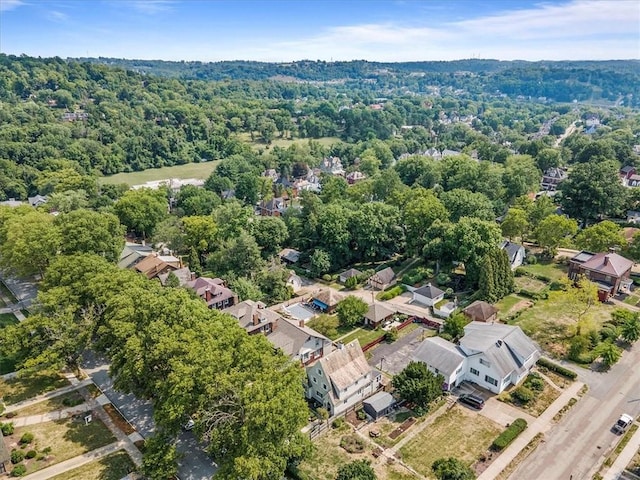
x,y
193,260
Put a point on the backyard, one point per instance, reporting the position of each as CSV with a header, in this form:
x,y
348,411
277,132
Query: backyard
x,y
286,142
458,433
60,440
111,467
548,269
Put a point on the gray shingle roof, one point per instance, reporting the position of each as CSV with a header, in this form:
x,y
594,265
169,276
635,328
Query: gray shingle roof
x,y
511,248
441,354
385,276
380,401
378,312
429,291
345,365
290,337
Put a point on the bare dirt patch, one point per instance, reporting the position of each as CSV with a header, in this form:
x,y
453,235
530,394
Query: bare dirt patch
x,y
402,428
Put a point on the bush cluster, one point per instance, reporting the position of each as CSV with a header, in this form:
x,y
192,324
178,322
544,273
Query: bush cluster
x,y
509,435
6,428
391,293
18,471
17,456
559,369
523,394
26,438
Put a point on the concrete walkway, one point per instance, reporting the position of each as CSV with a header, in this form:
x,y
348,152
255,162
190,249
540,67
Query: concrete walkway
x,y
47,396
624,458
49,416
542,424
75,462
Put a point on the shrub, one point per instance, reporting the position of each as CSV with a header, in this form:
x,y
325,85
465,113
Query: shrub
x,y
17,456
531,259
72,401
509,435
391,293
443,279
26,438
559,369
337,423
523,394
7,429
361,415
557,285
351,282
31,454
536,384
326,277
391,335
352,443
46,451
18,471
11,414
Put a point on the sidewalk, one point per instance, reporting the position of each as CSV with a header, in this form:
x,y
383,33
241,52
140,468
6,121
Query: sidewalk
x,y
75,462
49,416
47,396
624,458
542,424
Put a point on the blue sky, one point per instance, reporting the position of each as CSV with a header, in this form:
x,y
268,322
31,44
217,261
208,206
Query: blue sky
x,y
270,30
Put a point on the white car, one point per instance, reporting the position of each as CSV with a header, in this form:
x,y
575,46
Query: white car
x,y
189,424
622,424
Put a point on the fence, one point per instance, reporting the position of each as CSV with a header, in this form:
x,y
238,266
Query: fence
x,y
381,338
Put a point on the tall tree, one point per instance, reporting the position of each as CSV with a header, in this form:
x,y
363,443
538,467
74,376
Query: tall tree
x,y
451,469
553,230
463,203
85,231
416,384
419,214
141,210
601,237
515,223
356,470
521,175
592,191
351,310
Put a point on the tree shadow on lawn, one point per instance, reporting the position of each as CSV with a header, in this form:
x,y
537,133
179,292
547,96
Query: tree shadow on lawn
x,y
90,436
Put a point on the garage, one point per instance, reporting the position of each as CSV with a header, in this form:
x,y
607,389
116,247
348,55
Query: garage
x,y
379,405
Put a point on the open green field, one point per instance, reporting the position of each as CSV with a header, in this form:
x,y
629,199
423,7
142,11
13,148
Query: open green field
x,y
552,270
111,467
285,142
458,433
553,322
188,170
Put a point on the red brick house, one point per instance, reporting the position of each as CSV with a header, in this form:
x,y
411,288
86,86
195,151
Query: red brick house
x,y
610,271
214,292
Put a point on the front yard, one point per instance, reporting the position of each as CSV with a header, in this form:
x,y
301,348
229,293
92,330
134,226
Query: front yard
x,y
23,388
111,467
57,441
542,396
458,433
70,399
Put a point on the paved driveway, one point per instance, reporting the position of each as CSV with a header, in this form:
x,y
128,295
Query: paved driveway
x,y
195,464
391,358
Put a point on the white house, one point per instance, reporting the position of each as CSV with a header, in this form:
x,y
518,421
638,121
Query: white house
x,y
515,252
428,295
342,379
492,356
444,309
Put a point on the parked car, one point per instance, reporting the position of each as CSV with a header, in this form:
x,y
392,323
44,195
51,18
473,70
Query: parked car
x,y
189,424
472,401
622,424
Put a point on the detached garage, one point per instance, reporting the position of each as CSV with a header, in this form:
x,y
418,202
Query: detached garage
x,y
379,405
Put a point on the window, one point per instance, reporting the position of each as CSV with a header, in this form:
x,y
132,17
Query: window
x,y
324,385
319,372
472,370
484,362
491,380
313,379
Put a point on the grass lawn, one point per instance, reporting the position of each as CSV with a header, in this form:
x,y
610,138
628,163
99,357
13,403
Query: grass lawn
x,y
552,322
364,336
507,303
530,284
111,467
328,456
632,300
66,439
188,170
56,403
258,144
541,401
552,270
458,433
23,388
7,319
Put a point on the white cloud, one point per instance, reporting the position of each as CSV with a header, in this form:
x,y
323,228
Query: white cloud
x,y
576,30
152,7
57,16
6,5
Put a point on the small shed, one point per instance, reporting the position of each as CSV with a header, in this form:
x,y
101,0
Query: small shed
x,y
480,311
327,300
5,456
352,272
379,405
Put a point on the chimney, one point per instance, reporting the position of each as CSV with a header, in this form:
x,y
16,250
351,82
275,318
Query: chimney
x,y
301,323
606,260
207,294
256,318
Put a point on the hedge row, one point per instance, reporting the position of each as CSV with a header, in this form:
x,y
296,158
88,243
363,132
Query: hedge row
x,y
521,272
559,369
509,435
394,292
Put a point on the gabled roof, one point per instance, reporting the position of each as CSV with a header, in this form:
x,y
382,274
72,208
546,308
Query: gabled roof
x,y
133,253
385,275
248,311
627,169
183,274
291,337
512,249
289,254
210,287
154,264
441,354
378,312
504,346
380,401
480,309
605,263
328,297
352,272
429,291
37,200
345,365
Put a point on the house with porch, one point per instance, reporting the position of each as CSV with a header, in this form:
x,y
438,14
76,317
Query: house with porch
x,y
326,300
274,207
382,279
342,379
610,271
377,314
213,291
493,356
298,342
553,177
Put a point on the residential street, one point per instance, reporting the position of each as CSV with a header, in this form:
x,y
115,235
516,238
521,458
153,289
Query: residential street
x,y
195,465
576,447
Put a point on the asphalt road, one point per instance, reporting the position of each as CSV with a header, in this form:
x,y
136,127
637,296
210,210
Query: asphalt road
x,y
194,465
576,447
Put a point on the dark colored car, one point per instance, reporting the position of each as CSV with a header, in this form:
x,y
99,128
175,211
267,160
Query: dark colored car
x,y
472,401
